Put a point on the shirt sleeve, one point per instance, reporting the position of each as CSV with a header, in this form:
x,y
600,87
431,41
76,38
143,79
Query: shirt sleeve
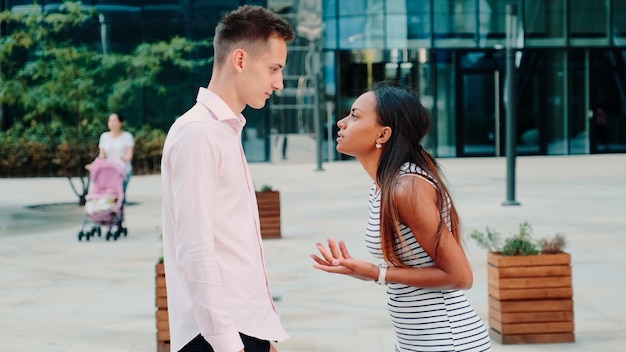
x,y
130,140
102,141
194,174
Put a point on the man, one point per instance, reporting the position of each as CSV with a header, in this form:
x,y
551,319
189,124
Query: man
x,y
217,289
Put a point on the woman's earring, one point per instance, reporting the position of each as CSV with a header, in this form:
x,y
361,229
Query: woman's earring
x,y
378,145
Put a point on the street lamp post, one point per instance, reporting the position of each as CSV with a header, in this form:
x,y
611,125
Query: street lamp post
x,y
511,118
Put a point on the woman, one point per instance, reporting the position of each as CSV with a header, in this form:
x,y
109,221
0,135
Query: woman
x,y
413,227
117,145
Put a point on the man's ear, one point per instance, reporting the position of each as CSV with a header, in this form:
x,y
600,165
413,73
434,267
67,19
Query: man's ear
x,y
385,134
238,58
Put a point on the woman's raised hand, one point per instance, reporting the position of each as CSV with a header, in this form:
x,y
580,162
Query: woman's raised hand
x,y
336,259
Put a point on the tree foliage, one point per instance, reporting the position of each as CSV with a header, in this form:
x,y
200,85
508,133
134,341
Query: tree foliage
x,y
60,87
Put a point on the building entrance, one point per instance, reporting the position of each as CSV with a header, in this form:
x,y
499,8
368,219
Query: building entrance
x,y
598,103
480,112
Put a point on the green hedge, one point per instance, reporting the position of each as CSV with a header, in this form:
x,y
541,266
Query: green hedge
x,y
39,151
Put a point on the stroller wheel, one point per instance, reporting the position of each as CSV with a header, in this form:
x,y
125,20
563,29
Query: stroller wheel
x,y
125,231
99,231
108,235
80,235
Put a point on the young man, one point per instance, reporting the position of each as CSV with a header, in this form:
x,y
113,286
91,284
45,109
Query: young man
x,y
217,288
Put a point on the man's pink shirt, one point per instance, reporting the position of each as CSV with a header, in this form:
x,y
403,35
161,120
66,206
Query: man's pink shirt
x,y
214,265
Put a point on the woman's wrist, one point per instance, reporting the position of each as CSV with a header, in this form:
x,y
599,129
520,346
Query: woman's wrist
x,y
381,278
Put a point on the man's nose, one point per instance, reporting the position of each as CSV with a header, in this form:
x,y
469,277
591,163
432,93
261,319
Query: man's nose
x,y
279,84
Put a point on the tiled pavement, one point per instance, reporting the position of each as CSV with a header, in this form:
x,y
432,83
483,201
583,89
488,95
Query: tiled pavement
x,y
59,294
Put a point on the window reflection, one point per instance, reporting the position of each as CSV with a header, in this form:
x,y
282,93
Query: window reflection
x,y
418,19
544,19
619,22
455,19
588,18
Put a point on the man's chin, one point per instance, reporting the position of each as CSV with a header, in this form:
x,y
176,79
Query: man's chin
x,y
257,105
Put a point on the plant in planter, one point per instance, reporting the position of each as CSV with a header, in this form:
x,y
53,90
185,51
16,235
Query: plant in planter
x,y
268,201
530,287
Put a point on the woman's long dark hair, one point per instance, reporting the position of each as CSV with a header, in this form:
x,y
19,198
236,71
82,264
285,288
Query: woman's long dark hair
x,y
400,109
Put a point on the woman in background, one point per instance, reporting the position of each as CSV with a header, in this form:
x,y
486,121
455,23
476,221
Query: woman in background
x,y
117,145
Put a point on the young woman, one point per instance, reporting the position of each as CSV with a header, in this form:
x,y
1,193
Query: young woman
x,y
117,145
413,227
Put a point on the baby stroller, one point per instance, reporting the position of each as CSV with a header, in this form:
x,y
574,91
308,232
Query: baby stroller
x,y
104,205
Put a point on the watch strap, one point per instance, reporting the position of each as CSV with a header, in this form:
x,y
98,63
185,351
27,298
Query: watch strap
x,y
382,273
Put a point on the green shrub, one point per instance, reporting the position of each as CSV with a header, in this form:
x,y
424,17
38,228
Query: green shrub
x,y
520,243
148,150
266,188
57,150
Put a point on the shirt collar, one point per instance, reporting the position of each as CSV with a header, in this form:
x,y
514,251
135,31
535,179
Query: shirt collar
x,y
221,111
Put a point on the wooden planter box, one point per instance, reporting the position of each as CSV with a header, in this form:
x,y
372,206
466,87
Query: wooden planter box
x,y
162,323
531,298
269,213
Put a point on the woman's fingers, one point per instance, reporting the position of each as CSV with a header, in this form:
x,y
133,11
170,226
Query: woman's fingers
x,y
330,268
319,260
332,259
324,252
334,249
344,250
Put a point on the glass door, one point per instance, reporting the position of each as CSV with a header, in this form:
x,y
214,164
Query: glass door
x,y
480,89
481,107
598,112
607,101
482,97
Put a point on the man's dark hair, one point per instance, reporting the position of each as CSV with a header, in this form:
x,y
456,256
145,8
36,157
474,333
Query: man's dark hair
x,y
248,25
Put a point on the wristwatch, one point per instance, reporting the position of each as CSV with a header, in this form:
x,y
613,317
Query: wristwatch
x,y
382,273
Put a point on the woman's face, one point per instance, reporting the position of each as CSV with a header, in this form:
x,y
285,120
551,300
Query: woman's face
x,y
114,123
359,131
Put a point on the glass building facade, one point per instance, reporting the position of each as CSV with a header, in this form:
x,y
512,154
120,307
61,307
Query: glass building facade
x,y
570,65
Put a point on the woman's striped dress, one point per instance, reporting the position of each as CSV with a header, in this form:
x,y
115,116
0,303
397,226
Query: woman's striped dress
x,y
425,319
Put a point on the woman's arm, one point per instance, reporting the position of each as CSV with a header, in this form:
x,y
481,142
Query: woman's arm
x,y
416,199
102,154
128,156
